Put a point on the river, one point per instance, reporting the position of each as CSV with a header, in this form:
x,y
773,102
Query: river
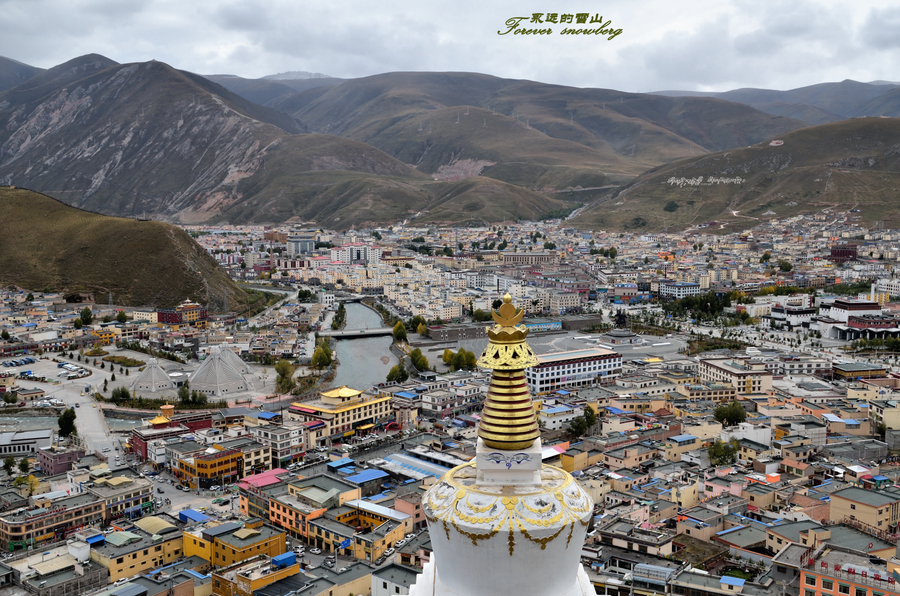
x,y
366,361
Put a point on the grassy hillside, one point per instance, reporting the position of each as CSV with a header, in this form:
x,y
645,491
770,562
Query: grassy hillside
x,y
847,164
623,133
47,244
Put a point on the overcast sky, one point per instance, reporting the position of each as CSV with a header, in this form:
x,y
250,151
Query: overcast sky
x,y
700,45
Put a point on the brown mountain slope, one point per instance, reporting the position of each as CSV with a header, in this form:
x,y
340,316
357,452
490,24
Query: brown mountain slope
x,y
47,244
627,132
13,72
847,164
146,140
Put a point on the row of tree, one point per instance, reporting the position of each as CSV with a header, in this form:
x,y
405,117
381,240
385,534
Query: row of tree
x,y
462,359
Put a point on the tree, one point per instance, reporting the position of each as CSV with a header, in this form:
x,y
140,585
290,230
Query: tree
x,y
730,414
577,427
784,265
86,316
77,324
479,316
285,371
321,358
5,335
121,316
721,453
419,360
9,464
113,377
590,416
399,332
120,394
24,466
549,245
29,297
66,422
184,394
397,373
767,256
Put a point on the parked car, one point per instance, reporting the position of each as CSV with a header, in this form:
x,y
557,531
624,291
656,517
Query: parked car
x,y
315,551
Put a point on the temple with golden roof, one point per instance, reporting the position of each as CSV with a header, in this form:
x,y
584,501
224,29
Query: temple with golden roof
x,y
506,524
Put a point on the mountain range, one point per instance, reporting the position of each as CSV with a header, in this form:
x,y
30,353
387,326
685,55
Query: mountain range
x,y
147,140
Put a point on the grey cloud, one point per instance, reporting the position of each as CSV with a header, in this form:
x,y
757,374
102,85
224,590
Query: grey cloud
x,y
880,29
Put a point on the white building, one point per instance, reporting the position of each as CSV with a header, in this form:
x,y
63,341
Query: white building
x,y
352,253
679,289
557,417
576,368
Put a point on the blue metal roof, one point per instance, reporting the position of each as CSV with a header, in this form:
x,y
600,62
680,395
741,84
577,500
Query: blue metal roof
x,y
267,415
405,394
732,581
340,463
192,515
682,438
366,476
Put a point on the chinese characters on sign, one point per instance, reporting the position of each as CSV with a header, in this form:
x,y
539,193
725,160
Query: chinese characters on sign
x,y
595,25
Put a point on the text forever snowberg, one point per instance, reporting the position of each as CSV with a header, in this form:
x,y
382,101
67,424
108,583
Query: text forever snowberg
x,y
539,18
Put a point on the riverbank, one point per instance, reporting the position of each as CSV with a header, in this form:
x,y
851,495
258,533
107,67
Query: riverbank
x,y
364,362
16,412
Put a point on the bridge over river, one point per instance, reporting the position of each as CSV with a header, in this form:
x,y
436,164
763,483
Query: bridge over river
x,y
352,333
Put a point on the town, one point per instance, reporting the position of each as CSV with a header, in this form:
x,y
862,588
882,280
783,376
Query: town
x,y
727,401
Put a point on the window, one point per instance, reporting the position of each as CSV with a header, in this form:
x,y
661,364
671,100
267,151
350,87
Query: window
x,y
861,592
843,588
852,506
810,580
810,593
827,584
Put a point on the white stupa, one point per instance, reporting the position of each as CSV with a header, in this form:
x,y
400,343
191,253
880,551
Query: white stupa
x,y
153,379
217,376
506,525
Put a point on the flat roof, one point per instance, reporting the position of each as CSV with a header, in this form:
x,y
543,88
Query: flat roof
x,y
574,355
377,509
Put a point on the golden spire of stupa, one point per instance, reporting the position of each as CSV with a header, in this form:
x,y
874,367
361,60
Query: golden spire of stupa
x,y
508,420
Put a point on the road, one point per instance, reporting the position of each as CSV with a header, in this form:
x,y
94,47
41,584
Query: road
x,y
89,421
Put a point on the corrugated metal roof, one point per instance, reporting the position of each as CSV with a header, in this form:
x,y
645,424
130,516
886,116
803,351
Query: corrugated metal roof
x,y
121,538
155,525
245,533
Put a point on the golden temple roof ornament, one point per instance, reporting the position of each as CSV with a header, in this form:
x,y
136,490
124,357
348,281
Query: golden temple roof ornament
x,y
507,349
508,421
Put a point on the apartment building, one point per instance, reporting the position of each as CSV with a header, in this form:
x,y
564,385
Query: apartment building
x,y
744,375
29,527
138,550
123,496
